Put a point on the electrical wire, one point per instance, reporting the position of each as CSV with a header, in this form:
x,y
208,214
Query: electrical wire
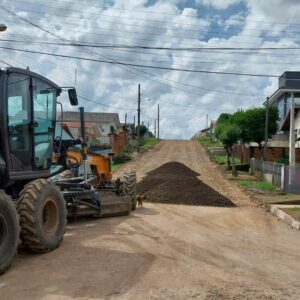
x,y
193,49
149,33
127,70
103,7
107,105
143,66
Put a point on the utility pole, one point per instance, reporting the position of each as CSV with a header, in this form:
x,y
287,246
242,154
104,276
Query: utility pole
x,y
292,143
125,118
206,123
134,121
148,127
139,115
158,121
265,154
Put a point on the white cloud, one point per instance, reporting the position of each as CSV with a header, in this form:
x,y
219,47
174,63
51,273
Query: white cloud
x,y
185,98
218,4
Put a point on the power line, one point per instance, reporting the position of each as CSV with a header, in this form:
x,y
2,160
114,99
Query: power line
x,y
207,50
123,33
193,49
55,55
122,47
189,85
149,33
152,12
97,102
5,63
201,106
119,66
143,66
134,70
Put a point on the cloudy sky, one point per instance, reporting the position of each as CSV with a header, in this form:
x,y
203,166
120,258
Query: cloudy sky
x,y
120,47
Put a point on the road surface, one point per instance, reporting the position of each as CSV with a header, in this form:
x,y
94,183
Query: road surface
x,y
167,251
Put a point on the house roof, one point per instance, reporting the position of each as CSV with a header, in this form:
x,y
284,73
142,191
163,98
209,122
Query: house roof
x,y
204,130
127,124
277,94
78,125
92,117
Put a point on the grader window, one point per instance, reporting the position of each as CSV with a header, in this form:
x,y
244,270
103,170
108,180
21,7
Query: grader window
x,y
18,112
44,116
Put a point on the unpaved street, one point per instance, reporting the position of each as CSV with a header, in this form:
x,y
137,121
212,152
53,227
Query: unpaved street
x,y
167,251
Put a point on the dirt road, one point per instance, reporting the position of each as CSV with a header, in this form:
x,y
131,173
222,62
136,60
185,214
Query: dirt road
x,y
167,251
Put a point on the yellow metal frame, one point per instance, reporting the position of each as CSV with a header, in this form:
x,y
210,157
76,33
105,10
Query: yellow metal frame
x,y
99,164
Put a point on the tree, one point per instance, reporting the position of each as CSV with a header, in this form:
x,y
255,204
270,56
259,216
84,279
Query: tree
x,y
143,129
252,123
222,122
229,135
247,126
224,118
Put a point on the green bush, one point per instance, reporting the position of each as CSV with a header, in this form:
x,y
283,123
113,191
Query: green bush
x,y
208,142
149,143
284,160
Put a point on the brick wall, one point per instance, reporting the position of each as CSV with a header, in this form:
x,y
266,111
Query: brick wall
x,y
243,153
275,153
119,141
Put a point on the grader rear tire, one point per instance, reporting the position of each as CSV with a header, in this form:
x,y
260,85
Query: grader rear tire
x,y
129,187
9,231
42,211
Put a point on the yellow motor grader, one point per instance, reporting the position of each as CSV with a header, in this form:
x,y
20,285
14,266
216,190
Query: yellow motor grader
x,y
106,197
34,198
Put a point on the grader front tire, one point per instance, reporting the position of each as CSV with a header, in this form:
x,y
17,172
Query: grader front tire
x,y
42,213
129,187
9,231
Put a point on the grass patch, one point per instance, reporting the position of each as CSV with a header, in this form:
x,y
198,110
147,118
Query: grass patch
x,y
222,159
296,209
124,156
115,166
208,142
149,143
260,185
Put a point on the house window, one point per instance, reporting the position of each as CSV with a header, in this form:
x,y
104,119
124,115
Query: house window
x,y
281,110
289,101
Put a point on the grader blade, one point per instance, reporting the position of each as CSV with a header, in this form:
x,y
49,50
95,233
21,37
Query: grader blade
x,y
114,205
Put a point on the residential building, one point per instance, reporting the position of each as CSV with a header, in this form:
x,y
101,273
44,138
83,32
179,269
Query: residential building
x,y
101,128
288,82
97,124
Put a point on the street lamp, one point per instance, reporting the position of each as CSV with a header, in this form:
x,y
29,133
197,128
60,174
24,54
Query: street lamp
x,y
3,27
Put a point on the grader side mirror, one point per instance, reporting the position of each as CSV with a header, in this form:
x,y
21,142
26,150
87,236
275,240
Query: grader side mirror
x,y
73,97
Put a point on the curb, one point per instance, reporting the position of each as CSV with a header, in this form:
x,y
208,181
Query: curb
x,y
275,210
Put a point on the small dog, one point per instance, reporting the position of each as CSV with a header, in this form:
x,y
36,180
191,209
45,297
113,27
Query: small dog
x,y
140,199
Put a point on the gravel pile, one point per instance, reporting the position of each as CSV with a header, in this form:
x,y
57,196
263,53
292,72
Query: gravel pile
x,y
175,183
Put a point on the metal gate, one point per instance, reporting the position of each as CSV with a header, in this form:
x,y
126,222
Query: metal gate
x,y
291,183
